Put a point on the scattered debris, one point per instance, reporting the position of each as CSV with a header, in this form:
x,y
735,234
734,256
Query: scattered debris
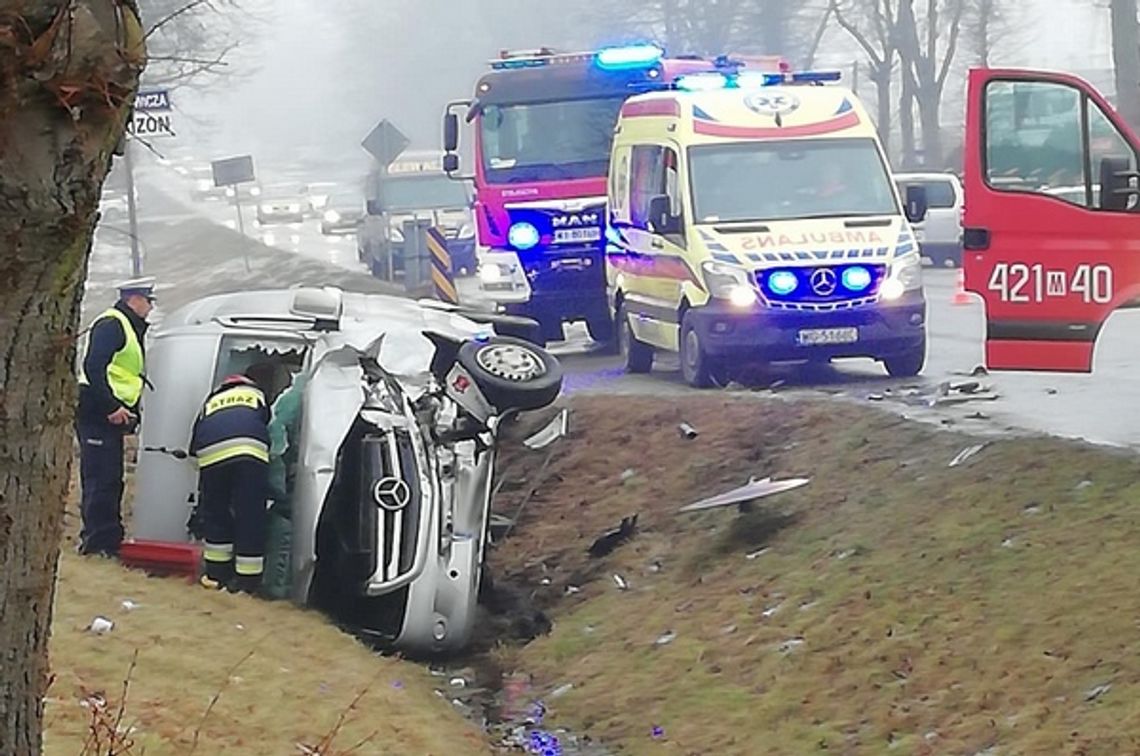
x,y
777,384
791,645
979,370
545,581
846,554
628,475
665,638
687,431
457,682
1095,693
655,566
754,489
100,626
771,611
554,430
875,397
1084,484
759,553
128,605
621,582
1007,543
611,539
969,387
966,453
572,589
808,605
398,684
1051,391
561,690
499,525
728,630
657,732
1032,509
978,416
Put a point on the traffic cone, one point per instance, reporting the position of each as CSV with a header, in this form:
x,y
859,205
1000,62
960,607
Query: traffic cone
x,y
960,296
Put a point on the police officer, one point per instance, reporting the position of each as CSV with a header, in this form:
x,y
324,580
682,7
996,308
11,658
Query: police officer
x,y
231,443
110,386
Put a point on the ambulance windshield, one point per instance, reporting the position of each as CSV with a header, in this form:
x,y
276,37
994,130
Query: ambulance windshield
x,y
787,180
549,141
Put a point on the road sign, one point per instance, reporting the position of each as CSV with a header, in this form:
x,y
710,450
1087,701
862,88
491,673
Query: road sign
x,y
385,142
231,171
152,100
150,125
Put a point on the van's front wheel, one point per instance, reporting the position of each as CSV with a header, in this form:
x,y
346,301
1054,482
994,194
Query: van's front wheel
x,y
638,355
906,364
697,368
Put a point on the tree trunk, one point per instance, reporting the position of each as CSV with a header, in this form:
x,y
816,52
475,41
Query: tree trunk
x,y
68,70
906,120
929,105
881,76
1126,59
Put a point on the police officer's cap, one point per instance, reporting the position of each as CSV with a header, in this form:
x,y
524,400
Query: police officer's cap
x,y
137,287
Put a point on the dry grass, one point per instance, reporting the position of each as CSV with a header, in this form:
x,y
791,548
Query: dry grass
x,y
282,677
902,606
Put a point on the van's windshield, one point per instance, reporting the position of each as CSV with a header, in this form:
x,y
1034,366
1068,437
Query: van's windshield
x,y
787,180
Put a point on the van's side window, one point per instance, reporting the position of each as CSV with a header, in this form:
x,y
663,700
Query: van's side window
x,y
655,171
647,178
1048,138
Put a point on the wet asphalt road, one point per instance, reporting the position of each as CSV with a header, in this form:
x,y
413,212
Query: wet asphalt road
x,y
1098,407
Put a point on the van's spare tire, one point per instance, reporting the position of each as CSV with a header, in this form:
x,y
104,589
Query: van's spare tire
x,y
513,374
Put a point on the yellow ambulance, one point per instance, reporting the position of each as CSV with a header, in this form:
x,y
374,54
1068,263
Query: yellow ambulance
x,y
753,218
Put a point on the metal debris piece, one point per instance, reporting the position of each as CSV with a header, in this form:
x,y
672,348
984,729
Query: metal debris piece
x,y
561,690
1051,391
754,489
790,645
545,581
771,611
621,582
665,638
657,731
687,431
875,397
1007,543
655,566
572,589
966,453
551,432
628,475
457,682
128,605
978,416
499,526
980,370
1084,484
611,539
759,553
1095,693
100,626
969,387
728,630
1032,509
805,606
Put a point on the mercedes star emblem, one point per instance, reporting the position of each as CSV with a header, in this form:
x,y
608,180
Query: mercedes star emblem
x,y
823,282
392,494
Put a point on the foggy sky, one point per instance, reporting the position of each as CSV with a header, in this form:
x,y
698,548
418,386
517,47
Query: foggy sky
x,y
321,81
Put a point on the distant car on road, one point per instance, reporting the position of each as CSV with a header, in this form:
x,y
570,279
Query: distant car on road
x,y
343,213
940,235
282,204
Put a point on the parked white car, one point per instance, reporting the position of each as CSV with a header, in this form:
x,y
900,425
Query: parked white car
x,y
389,486
940,235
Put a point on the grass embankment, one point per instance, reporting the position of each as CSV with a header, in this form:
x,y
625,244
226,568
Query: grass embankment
x,y
902,605
283,677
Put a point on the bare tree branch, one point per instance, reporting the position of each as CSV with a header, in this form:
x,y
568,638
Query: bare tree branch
x,y
858,36
952,45
184,9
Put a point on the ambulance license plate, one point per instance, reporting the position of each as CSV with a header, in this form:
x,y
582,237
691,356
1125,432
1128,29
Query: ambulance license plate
x,y
563,235
828,336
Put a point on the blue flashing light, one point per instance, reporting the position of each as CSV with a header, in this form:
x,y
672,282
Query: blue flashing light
x,y
801,77
782,282
523,236
856,278
702,82
634,56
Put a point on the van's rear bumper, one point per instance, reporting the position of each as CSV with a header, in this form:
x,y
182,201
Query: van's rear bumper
x,y
771,335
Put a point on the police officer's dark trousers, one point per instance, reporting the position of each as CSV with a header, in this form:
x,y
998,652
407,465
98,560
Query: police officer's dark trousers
x,y
101,475
233,504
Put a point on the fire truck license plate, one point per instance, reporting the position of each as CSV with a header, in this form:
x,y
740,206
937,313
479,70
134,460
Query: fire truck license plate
x,y
826,336
577,235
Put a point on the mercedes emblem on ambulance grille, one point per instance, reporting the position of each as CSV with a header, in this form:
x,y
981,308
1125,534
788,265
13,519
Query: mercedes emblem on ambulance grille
x,y
824,281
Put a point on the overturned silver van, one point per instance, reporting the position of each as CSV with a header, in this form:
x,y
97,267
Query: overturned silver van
x,y
390,460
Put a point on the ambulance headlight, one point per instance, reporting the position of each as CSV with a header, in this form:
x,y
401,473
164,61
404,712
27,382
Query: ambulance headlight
x,y
782,282
494,273
729,282
523,236
905,275
332,216
466,231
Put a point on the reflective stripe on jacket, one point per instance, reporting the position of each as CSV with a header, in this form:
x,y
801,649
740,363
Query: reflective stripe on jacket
x,y
233,424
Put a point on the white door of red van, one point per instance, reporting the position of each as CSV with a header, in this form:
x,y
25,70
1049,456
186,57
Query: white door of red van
x,y
1051,230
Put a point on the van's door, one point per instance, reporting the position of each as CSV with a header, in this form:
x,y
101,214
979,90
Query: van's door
x,y
1050,250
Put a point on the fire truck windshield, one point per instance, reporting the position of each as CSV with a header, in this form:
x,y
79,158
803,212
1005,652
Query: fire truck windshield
x,y
548,141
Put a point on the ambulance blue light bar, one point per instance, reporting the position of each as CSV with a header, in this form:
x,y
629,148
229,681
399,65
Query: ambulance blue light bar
x,y
633,56
705,82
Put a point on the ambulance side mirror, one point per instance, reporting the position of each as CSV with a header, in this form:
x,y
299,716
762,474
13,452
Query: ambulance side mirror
x,y
661,216
916,203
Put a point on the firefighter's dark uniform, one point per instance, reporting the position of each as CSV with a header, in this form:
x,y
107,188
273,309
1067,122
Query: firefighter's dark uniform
x,y
231,443
110,378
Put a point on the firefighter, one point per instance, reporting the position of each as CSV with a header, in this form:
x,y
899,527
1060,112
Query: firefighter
x,y
111,380
231,443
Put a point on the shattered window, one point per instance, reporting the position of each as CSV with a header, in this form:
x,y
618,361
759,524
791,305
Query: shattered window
x,y
271,362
